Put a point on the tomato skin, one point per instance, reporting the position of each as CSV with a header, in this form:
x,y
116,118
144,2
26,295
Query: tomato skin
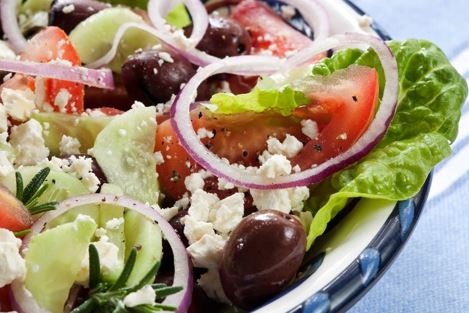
x,y
13,215
109,111
350,111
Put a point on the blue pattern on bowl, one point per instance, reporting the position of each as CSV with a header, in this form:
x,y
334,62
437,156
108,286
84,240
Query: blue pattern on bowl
x,y
406,215
319,303
370,259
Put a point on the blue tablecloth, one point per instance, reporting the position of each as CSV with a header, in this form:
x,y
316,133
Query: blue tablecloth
x,y
432,273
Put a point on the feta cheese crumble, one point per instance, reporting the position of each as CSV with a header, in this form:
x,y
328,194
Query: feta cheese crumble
x,y
146,295
69,145
211,284
13,266
310,128
275,166
28,143
108,257
18,103
289,147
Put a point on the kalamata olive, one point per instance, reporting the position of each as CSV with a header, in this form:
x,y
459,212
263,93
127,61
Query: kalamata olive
x,y
224,38
67,14
153,76
178,225
116,98
262,255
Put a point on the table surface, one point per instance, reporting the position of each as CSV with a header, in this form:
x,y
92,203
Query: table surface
x,y
432,272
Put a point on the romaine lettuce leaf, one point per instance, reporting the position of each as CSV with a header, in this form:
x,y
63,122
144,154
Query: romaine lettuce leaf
x,y
259,100
430,98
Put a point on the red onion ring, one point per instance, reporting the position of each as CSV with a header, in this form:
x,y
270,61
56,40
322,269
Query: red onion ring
x,y
101,78
182,263
157,10
193,55
313,12
10,25
241,177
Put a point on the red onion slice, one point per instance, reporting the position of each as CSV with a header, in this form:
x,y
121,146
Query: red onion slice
x,y
177,44
314,15
248,179
182,263
157,10
101,78
10,25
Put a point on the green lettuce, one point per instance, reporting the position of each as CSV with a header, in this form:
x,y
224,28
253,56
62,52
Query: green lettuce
x,y
430,98
259,100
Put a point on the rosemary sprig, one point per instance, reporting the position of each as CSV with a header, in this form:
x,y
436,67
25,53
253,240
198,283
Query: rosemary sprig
x,y
30,194
109,298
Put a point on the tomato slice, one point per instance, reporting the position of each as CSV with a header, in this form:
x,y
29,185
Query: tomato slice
x,y
13,215
52,44
240,138
343,111
343,105
270,34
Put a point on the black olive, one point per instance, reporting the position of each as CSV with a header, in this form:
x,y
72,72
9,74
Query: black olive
x,y
153,76
224,38
67,14
263,254
178,225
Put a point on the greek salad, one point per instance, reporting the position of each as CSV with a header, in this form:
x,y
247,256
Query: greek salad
x,y
185,155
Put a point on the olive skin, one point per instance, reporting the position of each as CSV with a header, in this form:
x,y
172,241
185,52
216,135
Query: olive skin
x,y
151,80
262,255
224,38
82,9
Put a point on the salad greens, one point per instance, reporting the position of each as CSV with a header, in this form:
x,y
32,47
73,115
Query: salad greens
x,y
429,108
283,101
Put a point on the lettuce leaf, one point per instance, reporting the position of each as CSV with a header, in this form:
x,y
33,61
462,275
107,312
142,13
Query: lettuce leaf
x,y
430,98
259,100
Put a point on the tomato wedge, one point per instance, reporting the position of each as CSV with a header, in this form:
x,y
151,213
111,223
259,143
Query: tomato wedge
x,y
342,104
343,111
13,215
52,44
269,32
240,138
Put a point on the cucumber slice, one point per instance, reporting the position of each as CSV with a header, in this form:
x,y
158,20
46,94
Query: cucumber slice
x,y
124,151
143,233
93,37
53,260
62,186
84,128
116,234
35,5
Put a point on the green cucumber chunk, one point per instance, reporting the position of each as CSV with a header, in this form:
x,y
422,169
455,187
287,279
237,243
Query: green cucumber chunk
x,y
116,234
82,127
35,5
124,151
142,233
93,37
53,260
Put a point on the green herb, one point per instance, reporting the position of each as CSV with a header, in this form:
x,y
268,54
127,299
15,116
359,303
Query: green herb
x,y
109,298
30,194
21,234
